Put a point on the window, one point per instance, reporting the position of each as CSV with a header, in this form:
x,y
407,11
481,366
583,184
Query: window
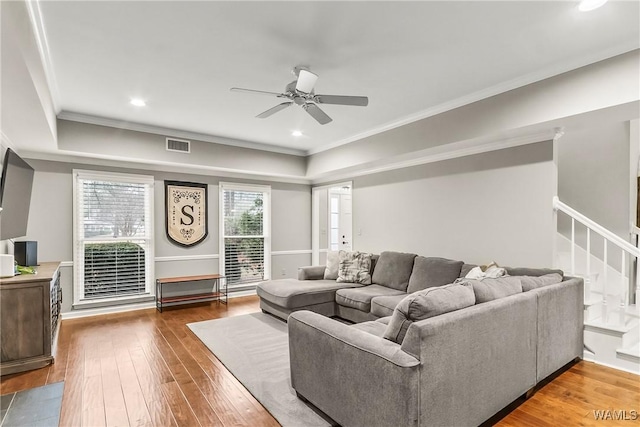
x,y
113,236
334,222
245,244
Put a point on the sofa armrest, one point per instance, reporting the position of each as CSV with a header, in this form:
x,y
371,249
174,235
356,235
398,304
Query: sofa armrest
x,y
474,361
347,372
312,272
560,325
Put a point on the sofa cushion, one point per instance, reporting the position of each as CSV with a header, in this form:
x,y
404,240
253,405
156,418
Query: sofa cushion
x,y
372,327
489,289
432,271
333,261
524,271
533,282
292,293
355,267
384,306
428,303
393,270
360,298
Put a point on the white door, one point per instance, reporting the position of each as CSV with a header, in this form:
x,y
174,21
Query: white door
x,y
345,231
340,218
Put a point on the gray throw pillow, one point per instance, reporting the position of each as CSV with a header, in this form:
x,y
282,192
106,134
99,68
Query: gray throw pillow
x,y
393,270
533,282
331,270
428,303
432,271
354,267
489,289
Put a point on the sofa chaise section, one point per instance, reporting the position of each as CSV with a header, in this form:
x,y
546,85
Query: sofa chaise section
x,y
282,297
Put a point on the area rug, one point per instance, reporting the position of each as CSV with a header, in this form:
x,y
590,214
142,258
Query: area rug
x,y
255,349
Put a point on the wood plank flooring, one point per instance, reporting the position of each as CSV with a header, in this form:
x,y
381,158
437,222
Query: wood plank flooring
x,y
146,368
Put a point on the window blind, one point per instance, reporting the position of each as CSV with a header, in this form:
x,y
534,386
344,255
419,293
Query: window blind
x,y
244,234
114,235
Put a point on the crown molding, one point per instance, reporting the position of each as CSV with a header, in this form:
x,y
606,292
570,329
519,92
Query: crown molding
x,y
159,130
527,79
37,25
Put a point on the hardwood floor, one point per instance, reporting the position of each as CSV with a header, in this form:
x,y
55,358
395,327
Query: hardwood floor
x,y
146,368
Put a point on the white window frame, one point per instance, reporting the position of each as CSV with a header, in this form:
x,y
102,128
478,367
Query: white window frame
x,y
266,223
78,252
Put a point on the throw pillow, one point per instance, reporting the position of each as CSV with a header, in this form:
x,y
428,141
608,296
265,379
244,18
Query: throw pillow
x,y
533,282
432,271
428,303
466,268
331,270
354,267
393,270
489,289
491,271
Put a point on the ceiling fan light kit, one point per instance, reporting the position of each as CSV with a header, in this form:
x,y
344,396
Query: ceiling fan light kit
x,y
301,92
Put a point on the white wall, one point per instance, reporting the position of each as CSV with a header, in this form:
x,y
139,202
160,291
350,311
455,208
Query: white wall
x,y
593,178
104,141
488,207
593,174
51,224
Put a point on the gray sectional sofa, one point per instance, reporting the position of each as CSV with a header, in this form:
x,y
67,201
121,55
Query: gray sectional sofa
x,y
423,351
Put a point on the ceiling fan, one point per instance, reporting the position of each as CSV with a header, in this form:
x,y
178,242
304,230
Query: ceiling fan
x,y
300,92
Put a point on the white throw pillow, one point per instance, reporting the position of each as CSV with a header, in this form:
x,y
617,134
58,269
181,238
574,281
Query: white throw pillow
x,y
491,271
355,267
333,262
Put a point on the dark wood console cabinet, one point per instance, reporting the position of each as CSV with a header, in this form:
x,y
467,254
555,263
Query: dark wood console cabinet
x,y
29,319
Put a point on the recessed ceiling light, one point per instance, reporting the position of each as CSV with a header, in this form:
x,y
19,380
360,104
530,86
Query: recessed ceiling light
x,y
296,133
587,5
138,102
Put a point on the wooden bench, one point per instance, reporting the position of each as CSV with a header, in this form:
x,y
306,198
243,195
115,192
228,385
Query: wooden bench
x,y
217,292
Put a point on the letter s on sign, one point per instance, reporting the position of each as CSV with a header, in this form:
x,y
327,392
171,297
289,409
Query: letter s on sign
x,y
186,214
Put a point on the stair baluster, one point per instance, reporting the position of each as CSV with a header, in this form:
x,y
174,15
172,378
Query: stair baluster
x,y
605,277
587,279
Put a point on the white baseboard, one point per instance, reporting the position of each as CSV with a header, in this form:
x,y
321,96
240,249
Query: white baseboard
x,y
619,368
89,312
77,314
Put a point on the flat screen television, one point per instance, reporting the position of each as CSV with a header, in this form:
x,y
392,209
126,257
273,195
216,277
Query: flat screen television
x,y
15,196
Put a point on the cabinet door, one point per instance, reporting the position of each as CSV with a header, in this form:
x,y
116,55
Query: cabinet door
x,y
22,323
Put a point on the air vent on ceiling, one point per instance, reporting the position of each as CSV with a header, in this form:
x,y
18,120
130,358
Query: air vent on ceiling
x,y
178,145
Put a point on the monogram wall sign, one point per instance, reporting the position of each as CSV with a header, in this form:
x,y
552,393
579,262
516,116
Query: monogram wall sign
x,y
186,212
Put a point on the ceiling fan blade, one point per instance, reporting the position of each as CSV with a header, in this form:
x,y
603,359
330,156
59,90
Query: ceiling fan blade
x,y
360,101
306,81
273,110
317,113
261,92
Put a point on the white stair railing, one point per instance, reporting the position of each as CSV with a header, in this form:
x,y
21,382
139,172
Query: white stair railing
x,y
627,250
